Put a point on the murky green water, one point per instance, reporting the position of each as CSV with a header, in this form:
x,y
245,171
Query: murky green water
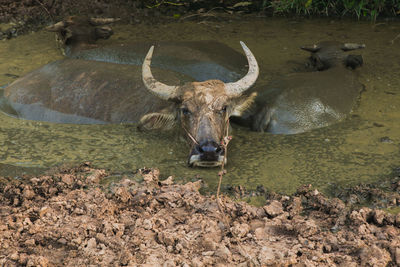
x,y
346,153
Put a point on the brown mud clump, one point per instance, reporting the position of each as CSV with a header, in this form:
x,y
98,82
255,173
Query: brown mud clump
x,y
67,218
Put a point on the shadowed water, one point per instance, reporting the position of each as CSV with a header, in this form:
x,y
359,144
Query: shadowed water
x,y
363,148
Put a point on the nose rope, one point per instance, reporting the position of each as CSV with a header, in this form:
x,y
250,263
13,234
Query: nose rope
x,y
224,142
221,173
190,136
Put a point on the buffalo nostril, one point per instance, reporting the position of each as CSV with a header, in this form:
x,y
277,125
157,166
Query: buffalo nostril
x,y
200,149
208,149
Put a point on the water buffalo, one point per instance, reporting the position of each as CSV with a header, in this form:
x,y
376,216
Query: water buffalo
x,y
300,102
201,60
87,91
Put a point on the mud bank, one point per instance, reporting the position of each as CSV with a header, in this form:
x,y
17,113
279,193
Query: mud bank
x,y
28,15
67,218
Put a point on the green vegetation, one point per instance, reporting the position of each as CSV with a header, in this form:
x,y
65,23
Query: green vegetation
x,y
355,8
360,9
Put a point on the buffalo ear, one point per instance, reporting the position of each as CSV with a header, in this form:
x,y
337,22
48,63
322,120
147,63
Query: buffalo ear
x,y
242,104
157,121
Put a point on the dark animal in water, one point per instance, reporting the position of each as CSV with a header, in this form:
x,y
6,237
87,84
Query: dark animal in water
x,y
301,102
88,91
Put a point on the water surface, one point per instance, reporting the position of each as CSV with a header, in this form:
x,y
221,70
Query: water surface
x,y
363,148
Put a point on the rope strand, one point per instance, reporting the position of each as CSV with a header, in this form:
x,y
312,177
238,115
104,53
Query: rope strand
x,y
225,141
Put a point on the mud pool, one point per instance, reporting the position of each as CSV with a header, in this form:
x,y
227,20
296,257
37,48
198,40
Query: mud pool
x,y
363,148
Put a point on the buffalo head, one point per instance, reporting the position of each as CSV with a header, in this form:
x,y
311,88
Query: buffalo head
x,y
76,31
202,108
328,54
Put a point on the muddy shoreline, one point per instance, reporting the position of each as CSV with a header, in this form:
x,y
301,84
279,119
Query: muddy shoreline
x,y
24,16
69,217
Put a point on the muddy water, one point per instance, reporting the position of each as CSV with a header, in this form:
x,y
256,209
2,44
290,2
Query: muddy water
x,y
364,148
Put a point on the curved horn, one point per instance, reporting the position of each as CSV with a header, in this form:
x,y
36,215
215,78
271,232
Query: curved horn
x,y
102,21
352,46
313,48
161,90
237,88
56,27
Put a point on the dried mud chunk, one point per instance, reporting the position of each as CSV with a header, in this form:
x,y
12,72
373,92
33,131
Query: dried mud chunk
x,y
345,260
169,263
43,211
223,252
197,262
397,220
168,181
361,216
14,256
122,194
306,228
23,259
150,175
142,197
35,261
30,242
28,193
295,207
147,224
269,256
208,244
378,217
91,246
125,258
255,224
374,256
331,243
261,234
169,197
397,256
68,179
240,229
364,229
95,176
193,186
274,208
166,238
52,191
336,206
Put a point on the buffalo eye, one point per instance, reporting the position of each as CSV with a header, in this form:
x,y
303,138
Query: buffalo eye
x,y
185,111
222,110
